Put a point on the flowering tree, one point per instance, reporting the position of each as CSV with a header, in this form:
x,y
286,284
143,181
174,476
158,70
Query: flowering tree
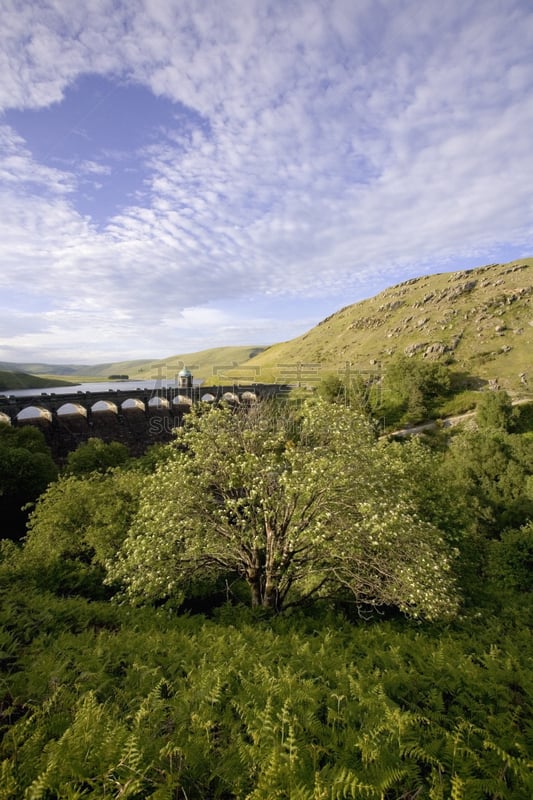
x,y
297,505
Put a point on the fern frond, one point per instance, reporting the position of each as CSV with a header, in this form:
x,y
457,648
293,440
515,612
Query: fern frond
x,y
457,788
347,786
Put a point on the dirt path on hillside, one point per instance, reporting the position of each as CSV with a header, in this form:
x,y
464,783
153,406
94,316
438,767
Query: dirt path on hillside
x,y
447,422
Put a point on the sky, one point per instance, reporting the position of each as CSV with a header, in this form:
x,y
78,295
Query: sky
x,y
177,175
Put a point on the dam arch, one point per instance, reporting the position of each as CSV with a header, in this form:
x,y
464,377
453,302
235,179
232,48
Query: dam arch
x,y
133,404
71,409
32,413
103,407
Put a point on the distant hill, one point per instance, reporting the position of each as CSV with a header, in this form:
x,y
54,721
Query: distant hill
x,y
206,365
480,321
23,380
70,370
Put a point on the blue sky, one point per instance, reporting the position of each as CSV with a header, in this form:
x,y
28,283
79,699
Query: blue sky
x,y
183,174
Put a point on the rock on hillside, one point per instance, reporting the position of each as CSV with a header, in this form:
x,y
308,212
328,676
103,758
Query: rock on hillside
x,y
478,320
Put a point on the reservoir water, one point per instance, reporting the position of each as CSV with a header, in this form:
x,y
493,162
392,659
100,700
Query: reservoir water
x,y
96,386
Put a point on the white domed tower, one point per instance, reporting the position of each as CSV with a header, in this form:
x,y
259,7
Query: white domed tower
x,y
184,379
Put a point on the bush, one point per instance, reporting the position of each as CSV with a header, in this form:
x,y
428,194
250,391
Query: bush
x,y
511,559
494,410
96,456
26,469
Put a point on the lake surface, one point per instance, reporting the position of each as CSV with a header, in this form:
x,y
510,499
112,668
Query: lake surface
x,y
96,386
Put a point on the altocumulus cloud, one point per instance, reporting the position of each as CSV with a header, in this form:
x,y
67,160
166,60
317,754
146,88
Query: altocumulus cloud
x,y
177,175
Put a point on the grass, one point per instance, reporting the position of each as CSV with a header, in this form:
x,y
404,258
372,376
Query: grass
x,y
461,403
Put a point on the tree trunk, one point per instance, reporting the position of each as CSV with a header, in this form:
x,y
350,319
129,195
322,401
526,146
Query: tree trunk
x,y
254,579
254,582
262,582
271,594
263,590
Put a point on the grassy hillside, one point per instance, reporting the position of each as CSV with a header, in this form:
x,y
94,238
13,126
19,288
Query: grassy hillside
x,y
23,380
480,321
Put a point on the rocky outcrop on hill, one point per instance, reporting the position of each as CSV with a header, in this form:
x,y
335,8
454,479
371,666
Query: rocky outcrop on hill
x,y
480,321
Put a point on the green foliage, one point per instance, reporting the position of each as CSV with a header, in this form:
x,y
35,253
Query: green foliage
x,y
460,403
523,418
152,458
26,469
425,470
96,456
82,518
298,507
494,410
413,386
354,392
493,470
26,436
331,389
510,560
103,701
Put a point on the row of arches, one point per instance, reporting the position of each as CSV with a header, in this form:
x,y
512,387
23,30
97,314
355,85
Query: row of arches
x,y
178,402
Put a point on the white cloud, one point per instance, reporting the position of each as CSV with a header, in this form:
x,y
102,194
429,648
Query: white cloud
x,y
93,168
18,168
323,150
